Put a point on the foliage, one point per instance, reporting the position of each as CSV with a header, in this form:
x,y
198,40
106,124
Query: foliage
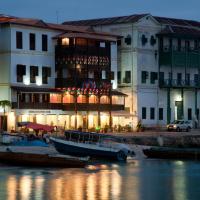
x,y
139,126
4,104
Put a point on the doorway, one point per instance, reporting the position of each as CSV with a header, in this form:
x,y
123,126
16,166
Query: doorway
x,y
178,110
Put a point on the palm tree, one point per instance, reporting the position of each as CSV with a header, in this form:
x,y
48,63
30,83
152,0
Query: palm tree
x,y
4,104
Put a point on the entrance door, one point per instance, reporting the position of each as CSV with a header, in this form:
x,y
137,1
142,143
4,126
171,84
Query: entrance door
x,y
179,110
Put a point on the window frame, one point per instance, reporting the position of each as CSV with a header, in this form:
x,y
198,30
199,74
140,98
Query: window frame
x,y
152,113
44,42
32,41
19,40
144,113
160,114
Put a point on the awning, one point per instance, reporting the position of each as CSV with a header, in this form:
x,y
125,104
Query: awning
x,y
87,36
36,89
117,93
36,126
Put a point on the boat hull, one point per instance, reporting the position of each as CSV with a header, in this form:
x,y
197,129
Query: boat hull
x,y
40,160
173,153
72,148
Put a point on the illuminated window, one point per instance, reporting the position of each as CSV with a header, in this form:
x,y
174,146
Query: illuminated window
x,y
65,41
55,98
81,99
93,99
104,100
119,100
68,98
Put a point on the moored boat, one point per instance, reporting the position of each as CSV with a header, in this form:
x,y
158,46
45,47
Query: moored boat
x,y
90,144
173,153
24,157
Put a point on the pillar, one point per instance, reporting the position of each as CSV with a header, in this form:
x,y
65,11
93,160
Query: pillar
x,y
168,106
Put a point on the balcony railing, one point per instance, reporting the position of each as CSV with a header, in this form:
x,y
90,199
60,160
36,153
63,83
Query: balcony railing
x,y
68,106
81,50
179,57
79,82
179,83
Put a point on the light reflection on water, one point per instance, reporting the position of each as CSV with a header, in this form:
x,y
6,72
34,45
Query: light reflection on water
x,y
145,180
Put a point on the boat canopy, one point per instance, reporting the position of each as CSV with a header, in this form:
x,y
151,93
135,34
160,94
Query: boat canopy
x,y
88,136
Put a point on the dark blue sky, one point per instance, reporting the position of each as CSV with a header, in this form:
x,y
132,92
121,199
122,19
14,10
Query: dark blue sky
x,y
85,9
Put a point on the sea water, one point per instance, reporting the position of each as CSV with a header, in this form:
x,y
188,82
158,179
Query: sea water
x,y
137,179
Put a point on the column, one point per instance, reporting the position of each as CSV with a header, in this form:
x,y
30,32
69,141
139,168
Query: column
x,y
168,106
182,97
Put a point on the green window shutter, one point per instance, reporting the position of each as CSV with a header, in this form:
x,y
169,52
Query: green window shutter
x,y
152,113
160,113
154,76
144,76
143,112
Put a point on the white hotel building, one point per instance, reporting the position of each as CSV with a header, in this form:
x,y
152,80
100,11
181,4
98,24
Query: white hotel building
x,y
158,66
58,74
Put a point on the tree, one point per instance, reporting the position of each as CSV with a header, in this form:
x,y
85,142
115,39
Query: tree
x,y
4,104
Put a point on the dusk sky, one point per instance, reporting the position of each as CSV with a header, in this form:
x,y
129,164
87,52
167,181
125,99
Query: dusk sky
x,y
64,10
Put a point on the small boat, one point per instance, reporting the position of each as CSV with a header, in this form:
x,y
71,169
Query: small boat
x,y
173,153
90,144
22,140
39,159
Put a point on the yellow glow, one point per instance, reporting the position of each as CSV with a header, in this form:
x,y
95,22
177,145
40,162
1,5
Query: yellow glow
x,y
78,66
11,187
104,120
91,187
11,120
91,121
25,118
41,119
116,184
25,186
65,41
78,193
104,185
39,184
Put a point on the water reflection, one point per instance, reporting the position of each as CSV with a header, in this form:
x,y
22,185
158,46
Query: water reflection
x,y
137,180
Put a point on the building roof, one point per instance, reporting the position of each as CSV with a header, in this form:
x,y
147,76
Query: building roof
x,y
6,19
117,93
180,31
132,19
106,21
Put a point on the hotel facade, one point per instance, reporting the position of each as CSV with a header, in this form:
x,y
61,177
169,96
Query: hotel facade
x,y
158,66
59,75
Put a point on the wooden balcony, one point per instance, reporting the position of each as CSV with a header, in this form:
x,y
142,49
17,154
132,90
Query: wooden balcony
x,y
179,58
81,50
78,82
68,106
